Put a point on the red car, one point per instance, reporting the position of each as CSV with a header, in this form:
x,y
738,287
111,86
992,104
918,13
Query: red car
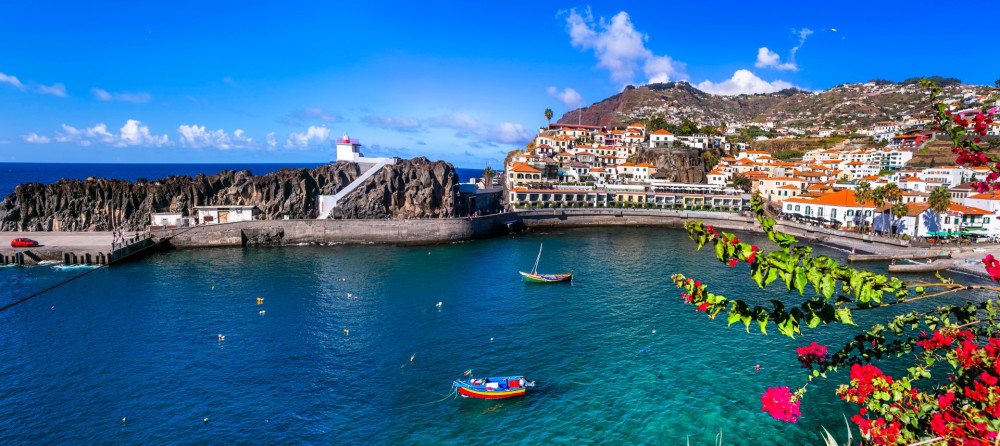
x,y
23,243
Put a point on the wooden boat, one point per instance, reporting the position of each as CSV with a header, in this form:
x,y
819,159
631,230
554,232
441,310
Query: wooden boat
x,y
535,277
493,387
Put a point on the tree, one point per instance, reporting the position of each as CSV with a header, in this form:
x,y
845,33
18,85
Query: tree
x,y
891,194
742,182
488,175
940,201
687,128
862,193
878,200
899,210
548,115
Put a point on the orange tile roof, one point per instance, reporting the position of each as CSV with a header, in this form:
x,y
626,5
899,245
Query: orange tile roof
x,y
968,210
910,179
521,167
644,165
788,186
662,132
987,196
839,198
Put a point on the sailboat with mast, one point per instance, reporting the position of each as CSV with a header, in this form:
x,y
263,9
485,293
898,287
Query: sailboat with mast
x,y
535,277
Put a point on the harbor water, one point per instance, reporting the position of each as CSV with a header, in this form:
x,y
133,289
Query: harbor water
x,y
348,346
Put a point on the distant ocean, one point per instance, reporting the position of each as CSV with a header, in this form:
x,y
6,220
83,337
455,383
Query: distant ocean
x,y
12,174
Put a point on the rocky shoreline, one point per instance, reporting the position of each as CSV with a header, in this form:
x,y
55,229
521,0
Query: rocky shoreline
x,y
415,188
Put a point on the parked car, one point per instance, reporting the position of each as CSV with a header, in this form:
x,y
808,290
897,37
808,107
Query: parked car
x,y
23,243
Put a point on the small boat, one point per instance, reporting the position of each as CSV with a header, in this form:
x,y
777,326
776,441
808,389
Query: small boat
x,y
493,388
536,277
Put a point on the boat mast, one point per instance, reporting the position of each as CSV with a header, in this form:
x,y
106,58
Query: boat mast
x,y
535,269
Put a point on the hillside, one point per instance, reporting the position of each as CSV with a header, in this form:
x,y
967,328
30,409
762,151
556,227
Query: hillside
x,y
846,105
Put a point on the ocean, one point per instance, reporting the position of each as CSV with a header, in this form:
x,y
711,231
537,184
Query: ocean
x,y
12,174
348,347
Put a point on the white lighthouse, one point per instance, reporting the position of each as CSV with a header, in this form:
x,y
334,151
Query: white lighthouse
x,y
348,149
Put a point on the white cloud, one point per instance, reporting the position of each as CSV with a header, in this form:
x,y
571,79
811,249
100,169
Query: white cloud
x,y
34,138
743,82
57,89
197,137
316,113
620,48
458,121
569,97
11,80
134,133
510,133
98,133
272,142
302,140
769,59
392,123
766,58
135,98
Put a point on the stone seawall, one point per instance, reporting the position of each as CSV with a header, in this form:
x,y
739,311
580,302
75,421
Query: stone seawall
x,y
291,232
630,217
446,230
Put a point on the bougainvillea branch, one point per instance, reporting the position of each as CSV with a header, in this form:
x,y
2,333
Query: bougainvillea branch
x,y
958,342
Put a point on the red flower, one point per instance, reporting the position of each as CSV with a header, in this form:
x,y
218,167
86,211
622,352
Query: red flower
x,y
812,354
703,306
733,261
778,402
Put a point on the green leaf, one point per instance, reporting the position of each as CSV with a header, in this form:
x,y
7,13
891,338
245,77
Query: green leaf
x,y
720,250
844,316
800,279
827,287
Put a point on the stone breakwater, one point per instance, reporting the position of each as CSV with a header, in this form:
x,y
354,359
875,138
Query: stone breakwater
x,y
415,188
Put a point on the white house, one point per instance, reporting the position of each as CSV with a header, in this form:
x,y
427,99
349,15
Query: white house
x,y
210,215
661,138
172,219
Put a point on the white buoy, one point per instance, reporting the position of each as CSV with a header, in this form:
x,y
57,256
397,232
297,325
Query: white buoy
x,y
262,312
349,295
205,420
438,305
123,419
414,356
654,330
491,339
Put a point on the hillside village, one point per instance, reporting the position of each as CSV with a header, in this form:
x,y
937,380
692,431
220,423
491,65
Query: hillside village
x,y
858,177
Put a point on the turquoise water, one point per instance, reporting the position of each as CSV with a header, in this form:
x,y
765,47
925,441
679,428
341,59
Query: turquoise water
x,y
141,341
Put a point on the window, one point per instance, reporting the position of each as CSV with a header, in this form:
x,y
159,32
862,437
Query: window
x,y
789,208
819,212
809,210
986,220
833,214
947,220
796,208
850,212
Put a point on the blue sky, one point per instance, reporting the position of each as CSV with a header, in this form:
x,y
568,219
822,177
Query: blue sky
x,y
251,82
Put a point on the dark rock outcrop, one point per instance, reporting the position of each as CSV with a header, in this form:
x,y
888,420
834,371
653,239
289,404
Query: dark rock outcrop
x,y
680,164
415,188
410,189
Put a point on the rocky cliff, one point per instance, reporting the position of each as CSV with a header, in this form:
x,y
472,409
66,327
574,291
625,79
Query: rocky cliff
x,y
410,189
415,188
682,164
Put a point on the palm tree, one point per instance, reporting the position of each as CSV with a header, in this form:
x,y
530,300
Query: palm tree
x,y
548,115
878,199
900,210
488,175
940,201
863,193
891,194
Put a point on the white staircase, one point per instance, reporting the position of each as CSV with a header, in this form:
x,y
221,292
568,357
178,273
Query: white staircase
x,y
328,202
